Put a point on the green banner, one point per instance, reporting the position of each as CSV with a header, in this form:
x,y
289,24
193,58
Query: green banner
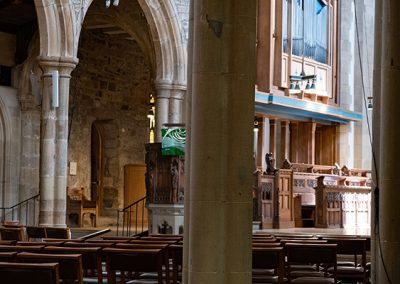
x,y
173,141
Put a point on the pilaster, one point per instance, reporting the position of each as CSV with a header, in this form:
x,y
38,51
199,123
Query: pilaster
x,y
54,141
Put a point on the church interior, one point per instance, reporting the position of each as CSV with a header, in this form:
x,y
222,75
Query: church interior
x,y
197,141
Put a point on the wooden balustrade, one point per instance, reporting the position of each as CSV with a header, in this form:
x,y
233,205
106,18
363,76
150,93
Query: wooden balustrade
x,y
342,206
287,195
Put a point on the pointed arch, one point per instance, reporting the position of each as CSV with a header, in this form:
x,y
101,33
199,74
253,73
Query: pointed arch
x,y
56,21
170,49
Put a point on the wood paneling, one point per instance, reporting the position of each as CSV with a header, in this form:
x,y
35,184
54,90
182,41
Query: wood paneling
x,y
135,189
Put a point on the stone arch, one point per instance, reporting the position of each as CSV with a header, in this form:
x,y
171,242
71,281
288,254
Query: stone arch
x,y
169,46
57,21
168,43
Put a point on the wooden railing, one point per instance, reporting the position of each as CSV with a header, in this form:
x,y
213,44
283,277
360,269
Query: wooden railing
x,y
133,218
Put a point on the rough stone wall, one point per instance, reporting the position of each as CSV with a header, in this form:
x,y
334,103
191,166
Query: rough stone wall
x,y
110,85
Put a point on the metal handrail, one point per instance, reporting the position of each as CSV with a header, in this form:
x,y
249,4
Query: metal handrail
x,y
18,206
126,227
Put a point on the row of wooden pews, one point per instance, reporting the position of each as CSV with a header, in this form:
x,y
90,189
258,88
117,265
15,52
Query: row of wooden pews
x,y
151,259
305,259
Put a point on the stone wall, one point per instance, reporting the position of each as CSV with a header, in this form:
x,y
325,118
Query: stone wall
x,y
110,86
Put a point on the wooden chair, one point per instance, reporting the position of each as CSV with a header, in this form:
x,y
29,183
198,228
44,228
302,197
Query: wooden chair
x,y
32,273
90,207
58,233
268,264
323,255
11,224
351,271
74,207
35,232
70,265
132,262
15,234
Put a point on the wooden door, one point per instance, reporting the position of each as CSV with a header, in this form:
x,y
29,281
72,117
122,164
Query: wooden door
x,y
285,199
97,166
135,189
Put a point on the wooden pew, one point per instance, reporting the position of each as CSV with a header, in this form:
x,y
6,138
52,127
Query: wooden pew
x,y
133,261
32,273
70,265
264,259
8,256
91,259
176,253
36,243
166,254
323,255
355,247
33,248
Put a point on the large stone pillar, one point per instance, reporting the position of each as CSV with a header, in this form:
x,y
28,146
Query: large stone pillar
x,y
221,142
54,142
176,104
163,89
386,232
348,57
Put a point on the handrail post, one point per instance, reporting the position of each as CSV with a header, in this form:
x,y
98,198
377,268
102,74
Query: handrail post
x,y
117,220
142,215
136,221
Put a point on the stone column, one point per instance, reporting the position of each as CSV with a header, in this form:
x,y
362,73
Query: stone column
x,y
54,142
163,89
176,104
294,142
221,142
285,143
348,58
273,133
265,141
386,232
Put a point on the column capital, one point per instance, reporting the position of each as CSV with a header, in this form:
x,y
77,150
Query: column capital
x,y
169,85
61,63
163,85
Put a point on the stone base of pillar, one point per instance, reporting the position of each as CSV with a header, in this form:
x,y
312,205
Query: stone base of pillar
x,y
165,218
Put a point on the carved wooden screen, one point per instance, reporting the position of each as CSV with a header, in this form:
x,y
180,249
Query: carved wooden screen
x,y
267,201
285,199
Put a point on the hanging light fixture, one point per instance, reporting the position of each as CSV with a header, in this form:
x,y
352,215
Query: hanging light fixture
x,y
108,3
255,128
370,104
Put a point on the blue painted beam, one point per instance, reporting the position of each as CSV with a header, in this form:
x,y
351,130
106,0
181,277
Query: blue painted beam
x,y
291,108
